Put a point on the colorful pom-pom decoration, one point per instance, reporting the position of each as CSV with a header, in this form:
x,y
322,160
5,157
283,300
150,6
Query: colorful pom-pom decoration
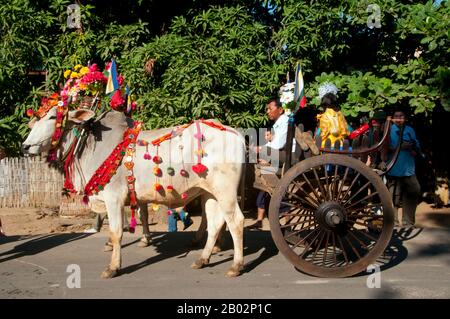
x,y
157,171
170,171
169,188
157,187
129,165
147,156
30,112
199,168
157,159
132,224
184,173
184,196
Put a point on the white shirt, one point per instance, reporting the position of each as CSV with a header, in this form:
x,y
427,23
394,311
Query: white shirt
x,y
280,128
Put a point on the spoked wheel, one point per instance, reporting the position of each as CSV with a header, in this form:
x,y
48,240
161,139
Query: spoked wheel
x,y
331,216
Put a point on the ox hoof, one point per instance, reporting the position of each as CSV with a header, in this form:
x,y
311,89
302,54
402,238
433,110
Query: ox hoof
x,y
234,271
216,250
199,263
144,242
109,273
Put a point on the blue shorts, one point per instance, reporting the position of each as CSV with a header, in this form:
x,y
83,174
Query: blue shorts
x,y
261,200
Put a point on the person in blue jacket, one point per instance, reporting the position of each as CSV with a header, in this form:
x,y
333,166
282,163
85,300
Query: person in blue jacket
x,y
402,180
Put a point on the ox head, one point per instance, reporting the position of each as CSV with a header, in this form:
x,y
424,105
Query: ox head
x,y
42,130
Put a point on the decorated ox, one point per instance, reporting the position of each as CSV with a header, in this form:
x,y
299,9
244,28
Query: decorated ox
x,y
171,180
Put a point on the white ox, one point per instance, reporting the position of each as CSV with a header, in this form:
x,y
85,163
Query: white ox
x,y
218,187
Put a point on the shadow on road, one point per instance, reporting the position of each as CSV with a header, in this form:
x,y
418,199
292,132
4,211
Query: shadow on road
x,y
36,244
396,252
178,245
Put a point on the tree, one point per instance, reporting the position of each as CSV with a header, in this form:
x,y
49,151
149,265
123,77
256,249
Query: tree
x,y
189,60
405,61
211,65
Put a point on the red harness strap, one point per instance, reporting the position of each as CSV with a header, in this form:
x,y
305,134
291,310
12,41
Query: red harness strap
x,y
106,171
217,126
168,136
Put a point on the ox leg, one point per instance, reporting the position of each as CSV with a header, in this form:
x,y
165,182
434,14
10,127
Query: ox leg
x,y
215,222
115,216
201,232
146,239
235,221
220,240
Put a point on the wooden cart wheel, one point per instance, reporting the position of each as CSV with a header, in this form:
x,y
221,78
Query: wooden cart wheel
x,y
331,216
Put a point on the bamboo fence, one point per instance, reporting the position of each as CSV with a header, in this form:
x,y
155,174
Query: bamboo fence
x,y
31,182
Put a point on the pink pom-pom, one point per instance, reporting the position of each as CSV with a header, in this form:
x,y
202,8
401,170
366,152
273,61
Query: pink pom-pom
x,y
157,159
51,157
133,222
184,173
184,196
147,156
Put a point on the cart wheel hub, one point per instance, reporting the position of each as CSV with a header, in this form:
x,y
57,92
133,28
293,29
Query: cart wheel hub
x,y
333,218
330,214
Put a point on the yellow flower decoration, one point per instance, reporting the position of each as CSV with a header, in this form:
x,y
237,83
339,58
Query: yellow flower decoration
x,y
77,67
74,75
67,74
84,70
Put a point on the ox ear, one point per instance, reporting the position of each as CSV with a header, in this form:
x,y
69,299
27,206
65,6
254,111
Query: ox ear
x,y
80,116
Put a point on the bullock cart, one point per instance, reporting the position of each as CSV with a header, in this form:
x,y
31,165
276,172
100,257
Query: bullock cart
x,y
331,215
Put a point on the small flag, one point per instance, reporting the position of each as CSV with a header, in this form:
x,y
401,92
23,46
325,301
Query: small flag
x,y
128,98
113,83
299,91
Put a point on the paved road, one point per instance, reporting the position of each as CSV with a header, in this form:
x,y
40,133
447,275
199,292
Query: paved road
x,y
36,266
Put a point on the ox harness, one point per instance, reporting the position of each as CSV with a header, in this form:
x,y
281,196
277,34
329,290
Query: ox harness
x,y
125,151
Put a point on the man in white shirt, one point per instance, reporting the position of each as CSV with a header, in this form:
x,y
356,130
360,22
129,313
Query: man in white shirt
x,y
276,140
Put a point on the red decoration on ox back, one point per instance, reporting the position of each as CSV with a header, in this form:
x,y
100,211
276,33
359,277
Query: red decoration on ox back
x,y
199,168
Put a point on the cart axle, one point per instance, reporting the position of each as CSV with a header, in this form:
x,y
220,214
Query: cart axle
x,y
330,214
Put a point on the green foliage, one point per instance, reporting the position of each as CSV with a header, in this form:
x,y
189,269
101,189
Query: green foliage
x,y
225,61
213,65
403,62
